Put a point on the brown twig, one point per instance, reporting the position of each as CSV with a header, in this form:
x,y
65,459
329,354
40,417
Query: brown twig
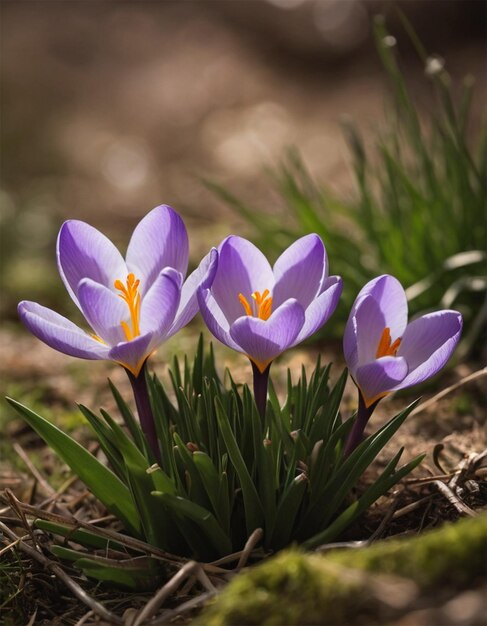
x,y
410,507
385,520
75,523
44,485
235,556
73,586
184,608
249,546
453,499
427,403
13,544
84,619
192,568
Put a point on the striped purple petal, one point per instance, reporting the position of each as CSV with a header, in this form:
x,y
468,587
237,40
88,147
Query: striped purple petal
x,y
391,299
299,271
59,333
159,240
84,252
104,311
321,308
263,341
215,319
133,354
428,343
242,268
380,377
160,304
202,276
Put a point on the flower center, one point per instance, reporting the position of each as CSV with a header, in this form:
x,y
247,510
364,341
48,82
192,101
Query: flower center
x,y
130,294
385,347
263,304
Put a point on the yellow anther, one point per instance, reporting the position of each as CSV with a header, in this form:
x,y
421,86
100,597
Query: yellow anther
x,y
263,304
130,294
385,347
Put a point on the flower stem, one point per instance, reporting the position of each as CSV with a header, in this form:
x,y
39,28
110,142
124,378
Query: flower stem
x,y
142,401
357,433
261,381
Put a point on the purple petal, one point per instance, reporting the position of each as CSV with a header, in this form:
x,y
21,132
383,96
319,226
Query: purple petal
x,y
160,304
104,311
242,268
263,341
428,343
322,307
299,271
370,324
389,294
202,276
159,240
133,354
377,378
84,252
59,333
215,319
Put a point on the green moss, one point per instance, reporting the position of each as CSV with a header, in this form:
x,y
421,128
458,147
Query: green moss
x,y
430,558
296,588
289,589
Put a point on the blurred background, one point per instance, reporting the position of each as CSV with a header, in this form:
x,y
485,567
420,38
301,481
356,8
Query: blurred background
x,y
110,108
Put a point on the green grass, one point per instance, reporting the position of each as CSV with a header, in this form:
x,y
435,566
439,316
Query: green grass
x,y
419,210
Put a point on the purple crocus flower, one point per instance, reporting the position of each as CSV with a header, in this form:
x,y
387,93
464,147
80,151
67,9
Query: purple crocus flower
x,y
384,353
131,305
262,311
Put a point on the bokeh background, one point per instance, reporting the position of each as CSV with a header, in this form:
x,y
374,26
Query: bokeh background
x,y
110,108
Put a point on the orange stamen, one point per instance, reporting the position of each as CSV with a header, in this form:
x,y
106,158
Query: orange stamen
x,y
96,338
385,347
263,302
130,294
245,304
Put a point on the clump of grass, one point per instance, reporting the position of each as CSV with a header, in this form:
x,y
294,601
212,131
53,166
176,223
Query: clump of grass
x,y
420,210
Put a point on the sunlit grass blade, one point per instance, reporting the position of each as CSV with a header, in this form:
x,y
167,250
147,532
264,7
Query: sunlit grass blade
x,y
103,483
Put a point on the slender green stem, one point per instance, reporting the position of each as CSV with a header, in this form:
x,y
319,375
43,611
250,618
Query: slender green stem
x,y
142,401
261,381
357,433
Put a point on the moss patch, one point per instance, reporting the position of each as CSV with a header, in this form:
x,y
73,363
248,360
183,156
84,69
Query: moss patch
x,y
428,559
353,586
